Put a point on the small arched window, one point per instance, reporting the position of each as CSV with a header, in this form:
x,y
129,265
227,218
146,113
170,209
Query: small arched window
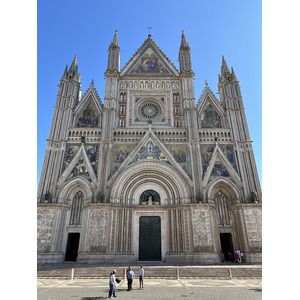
x,y
222,209
76,209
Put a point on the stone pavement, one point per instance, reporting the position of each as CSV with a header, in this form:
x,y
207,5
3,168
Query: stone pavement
x,y
154,289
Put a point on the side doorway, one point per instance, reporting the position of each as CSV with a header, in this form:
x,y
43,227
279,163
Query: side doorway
x,y
226,244
72,246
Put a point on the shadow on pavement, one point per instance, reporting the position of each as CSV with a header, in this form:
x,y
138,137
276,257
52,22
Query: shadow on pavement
x,y
256,290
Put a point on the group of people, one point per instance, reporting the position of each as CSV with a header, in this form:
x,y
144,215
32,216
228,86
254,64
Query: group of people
x,y
130,276
232,257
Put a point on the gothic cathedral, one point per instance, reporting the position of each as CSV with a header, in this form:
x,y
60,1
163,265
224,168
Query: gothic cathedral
x,y
148,174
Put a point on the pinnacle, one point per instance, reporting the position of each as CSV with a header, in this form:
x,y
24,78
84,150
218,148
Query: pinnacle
x,y
115,42
184,44
224,67
74,65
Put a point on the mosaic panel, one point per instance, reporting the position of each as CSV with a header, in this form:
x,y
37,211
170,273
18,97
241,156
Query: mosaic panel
x,y
207,151
149,63
120,154
210,118
91,151
88,117
79,169
179,154
149,152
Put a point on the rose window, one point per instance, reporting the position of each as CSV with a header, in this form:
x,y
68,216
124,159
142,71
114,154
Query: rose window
x,y
149,111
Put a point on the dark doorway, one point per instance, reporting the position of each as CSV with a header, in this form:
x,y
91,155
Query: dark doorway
x,y
72,246
226,244
150,239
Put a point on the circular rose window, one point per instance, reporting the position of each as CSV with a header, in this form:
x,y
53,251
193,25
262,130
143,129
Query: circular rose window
x,y
149,111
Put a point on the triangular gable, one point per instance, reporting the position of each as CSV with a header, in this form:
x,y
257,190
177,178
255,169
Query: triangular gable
x,y
149,60
89,109
220,166
208,96
210,111
79,166
150,151
150,148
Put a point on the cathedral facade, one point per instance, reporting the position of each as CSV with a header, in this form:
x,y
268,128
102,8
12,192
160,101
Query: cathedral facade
x,y
148,174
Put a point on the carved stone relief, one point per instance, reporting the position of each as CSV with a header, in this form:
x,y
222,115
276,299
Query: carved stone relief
x,y
45,221
202,230
97,230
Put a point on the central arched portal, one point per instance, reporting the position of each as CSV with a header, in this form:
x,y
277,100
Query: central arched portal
x,y
149,188
150,238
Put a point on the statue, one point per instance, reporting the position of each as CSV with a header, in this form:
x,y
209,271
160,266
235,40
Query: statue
x,y
254,197
198,198
47,197
100,197
149,199
83,140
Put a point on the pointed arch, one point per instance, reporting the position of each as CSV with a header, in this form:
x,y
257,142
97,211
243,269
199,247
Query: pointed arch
x,y
226,187
69,189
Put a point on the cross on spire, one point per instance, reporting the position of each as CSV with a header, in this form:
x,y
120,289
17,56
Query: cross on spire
x,y
149,29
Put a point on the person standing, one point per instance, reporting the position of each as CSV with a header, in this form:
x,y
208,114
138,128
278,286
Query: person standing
x,y
112,285
141,278
130,276
222,258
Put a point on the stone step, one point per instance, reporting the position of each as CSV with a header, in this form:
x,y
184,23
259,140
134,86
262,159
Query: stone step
x,y
153,271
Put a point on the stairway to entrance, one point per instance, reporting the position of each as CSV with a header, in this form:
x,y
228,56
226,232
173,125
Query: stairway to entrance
x,y
151,271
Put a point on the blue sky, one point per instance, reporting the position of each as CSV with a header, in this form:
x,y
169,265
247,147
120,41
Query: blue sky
x,y
212,28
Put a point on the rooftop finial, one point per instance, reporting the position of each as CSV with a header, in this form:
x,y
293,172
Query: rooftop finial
x,y
149,28
206,83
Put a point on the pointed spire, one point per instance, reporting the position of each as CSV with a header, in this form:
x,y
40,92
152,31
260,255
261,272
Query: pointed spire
x,y
224,67
115,42
184,44
74,65
65,72
233,74
113,64
184,58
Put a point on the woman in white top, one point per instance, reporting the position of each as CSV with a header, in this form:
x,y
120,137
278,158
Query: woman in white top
x,y
112,285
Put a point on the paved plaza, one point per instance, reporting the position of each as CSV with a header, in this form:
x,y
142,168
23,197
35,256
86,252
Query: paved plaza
x,y
205,289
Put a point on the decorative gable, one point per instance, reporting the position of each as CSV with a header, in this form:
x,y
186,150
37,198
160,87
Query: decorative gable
x,y
149,60
82,164
210,111
89,111
216,163
151,148
150,151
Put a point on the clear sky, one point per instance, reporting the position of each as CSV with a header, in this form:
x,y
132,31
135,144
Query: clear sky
x,y
212,28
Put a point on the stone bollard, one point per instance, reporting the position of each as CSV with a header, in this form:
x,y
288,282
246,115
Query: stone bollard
x,y
124,273
72,274
230,274
177,273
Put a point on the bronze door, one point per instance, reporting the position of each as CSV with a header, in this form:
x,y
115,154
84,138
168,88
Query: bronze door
x,y
150,239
